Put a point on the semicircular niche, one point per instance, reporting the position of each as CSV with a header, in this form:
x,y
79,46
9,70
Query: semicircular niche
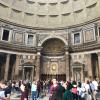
x,y
53,47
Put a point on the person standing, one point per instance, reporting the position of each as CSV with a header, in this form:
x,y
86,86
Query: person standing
x,y
98,94
61,91
2,93
34,90
24,92
68,94
95,83
54,90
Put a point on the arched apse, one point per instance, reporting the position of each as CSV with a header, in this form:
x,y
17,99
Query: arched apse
x,y
50,37
53,46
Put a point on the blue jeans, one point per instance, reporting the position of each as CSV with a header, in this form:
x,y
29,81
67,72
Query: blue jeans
x,y
34,95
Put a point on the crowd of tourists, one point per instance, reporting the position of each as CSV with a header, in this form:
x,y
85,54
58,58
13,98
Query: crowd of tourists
x,y
56,90
72,90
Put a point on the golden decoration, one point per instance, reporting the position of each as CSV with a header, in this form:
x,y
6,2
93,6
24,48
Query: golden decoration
x,y
54,67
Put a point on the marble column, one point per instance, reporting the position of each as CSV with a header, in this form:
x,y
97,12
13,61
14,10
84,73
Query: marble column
x,y
7,67
98,64
67,66
38,65
17,66
89,65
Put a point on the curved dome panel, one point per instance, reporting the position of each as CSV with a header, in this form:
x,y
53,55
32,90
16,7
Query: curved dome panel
x,y
49,13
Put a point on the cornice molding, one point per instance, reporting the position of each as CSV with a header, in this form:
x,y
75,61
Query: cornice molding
x,y
17,47
84,47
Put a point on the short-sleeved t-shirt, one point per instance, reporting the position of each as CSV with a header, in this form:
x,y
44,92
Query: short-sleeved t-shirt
x,y
2,94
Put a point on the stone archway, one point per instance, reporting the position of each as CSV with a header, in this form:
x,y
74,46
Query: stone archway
x,y
53,46
50,37
53,60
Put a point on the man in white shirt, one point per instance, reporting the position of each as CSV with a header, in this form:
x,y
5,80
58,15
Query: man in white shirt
x,y
95,83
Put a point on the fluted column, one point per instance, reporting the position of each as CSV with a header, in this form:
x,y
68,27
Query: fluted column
x,y
7,67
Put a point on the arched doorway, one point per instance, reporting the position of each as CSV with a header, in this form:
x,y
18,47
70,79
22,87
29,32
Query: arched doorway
x,y
53,59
